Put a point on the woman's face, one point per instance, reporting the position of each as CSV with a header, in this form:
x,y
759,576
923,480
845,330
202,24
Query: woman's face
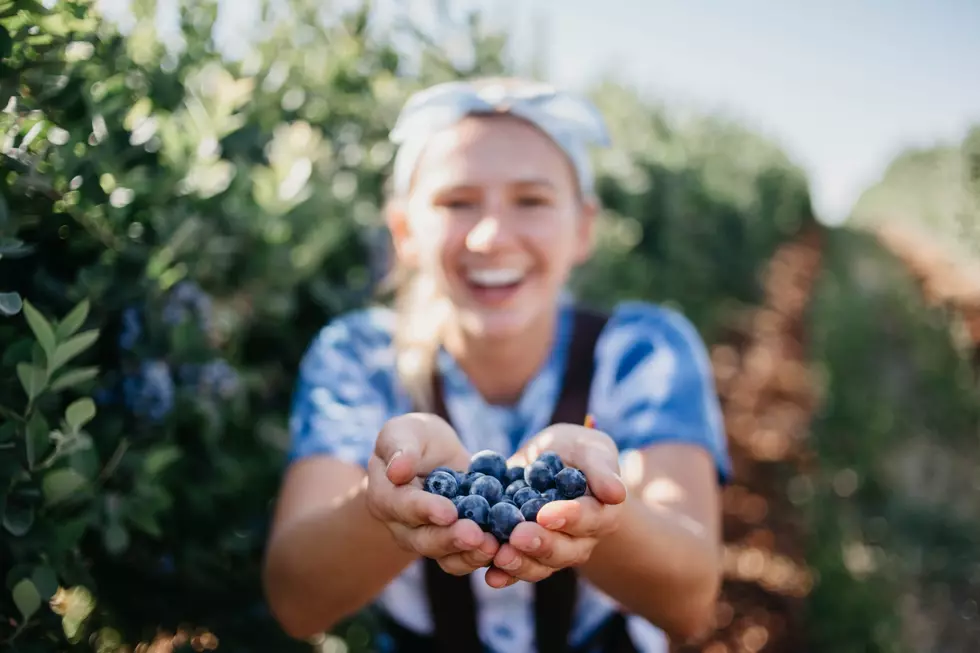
x,y
494,216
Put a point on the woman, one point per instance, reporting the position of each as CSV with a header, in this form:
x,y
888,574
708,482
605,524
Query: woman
x,y
492,209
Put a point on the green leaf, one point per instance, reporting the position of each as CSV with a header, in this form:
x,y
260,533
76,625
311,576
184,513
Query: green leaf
x,y
38,439
145,521
46,581
10,303
18,517
73,321
73,347
116,539
74,377
60,484
26,598
32,378
79,413
42,329
158,459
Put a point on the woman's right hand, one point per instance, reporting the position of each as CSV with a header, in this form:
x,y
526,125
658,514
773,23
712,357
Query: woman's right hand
x,y
407,449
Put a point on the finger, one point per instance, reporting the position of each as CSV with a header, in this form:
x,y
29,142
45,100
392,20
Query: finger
x,y
582,517
596,456
408,504
414,444
441,541
552,549
467,562
520,566
499,579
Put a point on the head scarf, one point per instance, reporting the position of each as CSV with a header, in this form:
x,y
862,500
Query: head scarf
x,y
572,122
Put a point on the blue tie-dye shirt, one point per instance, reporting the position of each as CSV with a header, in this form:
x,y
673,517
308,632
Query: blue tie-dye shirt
x,y
652,383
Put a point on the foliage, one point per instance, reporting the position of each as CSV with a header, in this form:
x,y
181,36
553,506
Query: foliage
x,y
894,511
934,190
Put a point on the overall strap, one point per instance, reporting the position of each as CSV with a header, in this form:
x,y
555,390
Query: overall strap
x,y
451,597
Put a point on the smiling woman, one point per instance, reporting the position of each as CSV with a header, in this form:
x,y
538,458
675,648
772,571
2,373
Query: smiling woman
x,y
492,210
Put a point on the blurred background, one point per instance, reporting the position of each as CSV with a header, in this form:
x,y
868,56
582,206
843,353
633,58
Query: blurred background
x,y
191,189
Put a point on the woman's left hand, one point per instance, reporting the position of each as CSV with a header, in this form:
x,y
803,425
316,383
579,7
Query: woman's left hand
x,y
566,532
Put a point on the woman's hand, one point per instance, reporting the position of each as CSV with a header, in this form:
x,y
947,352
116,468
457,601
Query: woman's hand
x,y
565,532
407,449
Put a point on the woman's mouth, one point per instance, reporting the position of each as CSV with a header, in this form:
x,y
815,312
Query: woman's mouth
x,y
494,285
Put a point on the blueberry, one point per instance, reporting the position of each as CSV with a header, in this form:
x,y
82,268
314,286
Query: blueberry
x,y
489,488
475,508
459,476
530,509
571,483
504,517
510,501
514,474
464,487
552,460
490,463
457,499
441,483
551,495
514,487
539,476
524,495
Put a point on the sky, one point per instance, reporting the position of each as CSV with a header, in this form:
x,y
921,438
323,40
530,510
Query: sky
x,y
842,85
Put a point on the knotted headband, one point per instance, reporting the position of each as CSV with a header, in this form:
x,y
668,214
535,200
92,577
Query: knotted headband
x,y
572,122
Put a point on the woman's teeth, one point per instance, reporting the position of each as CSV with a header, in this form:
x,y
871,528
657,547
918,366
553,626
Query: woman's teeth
x,y
495,277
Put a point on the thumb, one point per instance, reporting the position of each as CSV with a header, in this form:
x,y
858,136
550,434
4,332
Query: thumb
x,y
400,449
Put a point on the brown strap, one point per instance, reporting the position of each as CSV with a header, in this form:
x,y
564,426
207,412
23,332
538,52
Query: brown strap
x,y
451,597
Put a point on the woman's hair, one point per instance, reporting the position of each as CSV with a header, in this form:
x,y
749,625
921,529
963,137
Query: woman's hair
x,y
421,312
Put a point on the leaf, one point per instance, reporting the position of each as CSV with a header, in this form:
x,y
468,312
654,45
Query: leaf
x,y
74,377
73,347
18,517
79,413
10,303
145,521
73,321
116,539
26,598
46,581
32,378
38,439
158,459
42,329
60,484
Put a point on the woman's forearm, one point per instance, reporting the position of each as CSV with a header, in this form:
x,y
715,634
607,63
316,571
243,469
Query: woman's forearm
x,y
660,567
328,564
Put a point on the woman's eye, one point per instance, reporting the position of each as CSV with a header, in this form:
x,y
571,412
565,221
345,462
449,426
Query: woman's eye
x,y
532,200
457,203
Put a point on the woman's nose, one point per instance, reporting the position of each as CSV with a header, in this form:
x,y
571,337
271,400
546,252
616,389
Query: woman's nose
x,y
488,233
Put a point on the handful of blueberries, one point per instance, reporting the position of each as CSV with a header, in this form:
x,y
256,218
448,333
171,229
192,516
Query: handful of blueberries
x,y
499,498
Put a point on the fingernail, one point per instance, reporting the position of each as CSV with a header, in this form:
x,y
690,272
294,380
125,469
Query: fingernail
x,y
535,543
555,525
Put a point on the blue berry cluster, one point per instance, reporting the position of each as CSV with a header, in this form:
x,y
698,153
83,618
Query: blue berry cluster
x,y
498,498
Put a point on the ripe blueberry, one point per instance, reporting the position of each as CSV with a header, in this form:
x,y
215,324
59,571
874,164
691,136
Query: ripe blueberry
x,y
504,517
489,488
539,476
464,487
459,476
552,460
530,508
514,474
514,487
490,463
551,495
524,495
441,483
571,483
476,508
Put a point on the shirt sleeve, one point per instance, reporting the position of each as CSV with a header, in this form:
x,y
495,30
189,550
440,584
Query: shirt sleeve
x,y
654,383
341,398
